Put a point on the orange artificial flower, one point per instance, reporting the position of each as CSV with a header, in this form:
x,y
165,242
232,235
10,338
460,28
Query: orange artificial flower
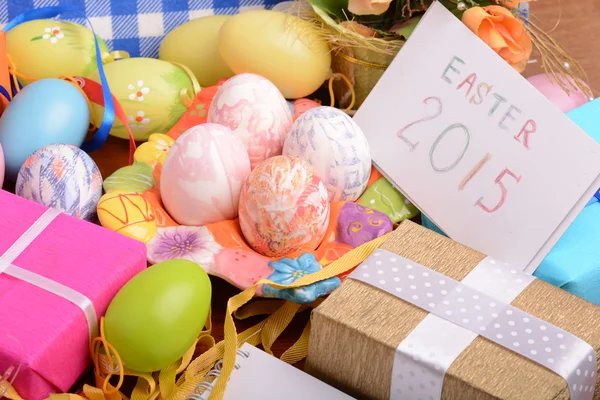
x,y
500,30
368,7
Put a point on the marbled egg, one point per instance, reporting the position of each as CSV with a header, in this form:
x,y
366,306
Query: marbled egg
x,y
255,110
129,214
150,92
283,207
63,177
203,175
330,141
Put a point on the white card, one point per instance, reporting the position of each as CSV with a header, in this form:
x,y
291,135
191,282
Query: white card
x,y
487,157
260,376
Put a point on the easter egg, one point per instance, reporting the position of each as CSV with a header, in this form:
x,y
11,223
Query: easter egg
x,y
47,48
203,174
286,50
157,316
256,112
150,92
549,87
195,45
358,225
330,141
45,112
129,214
284,207
64,177
301,106
1,167
382,196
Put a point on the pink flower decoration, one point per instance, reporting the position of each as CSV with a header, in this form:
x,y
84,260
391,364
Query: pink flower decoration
x,y
193,243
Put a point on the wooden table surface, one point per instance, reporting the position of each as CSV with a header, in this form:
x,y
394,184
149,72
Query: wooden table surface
x,y
577,22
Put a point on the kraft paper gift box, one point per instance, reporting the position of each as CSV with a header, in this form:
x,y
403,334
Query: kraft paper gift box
x,y
371,344
75,259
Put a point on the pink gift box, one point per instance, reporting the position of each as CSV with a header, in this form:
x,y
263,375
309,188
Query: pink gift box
x,y
51,333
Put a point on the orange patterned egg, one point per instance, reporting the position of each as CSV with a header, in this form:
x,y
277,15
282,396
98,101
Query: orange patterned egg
x,y
129,214
284,207
301,106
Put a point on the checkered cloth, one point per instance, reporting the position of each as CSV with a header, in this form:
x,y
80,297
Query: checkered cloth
x,y
136,26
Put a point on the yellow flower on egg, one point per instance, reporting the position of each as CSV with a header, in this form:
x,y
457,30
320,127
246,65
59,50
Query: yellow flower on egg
x,y
155,150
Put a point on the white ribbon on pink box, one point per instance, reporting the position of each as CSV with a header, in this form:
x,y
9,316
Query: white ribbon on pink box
x,y
42,282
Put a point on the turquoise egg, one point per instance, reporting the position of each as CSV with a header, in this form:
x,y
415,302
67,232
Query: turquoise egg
x,y
48,111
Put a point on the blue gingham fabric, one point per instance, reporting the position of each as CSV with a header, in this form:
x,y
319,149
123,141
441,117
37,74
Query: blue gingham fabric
x,y
136,26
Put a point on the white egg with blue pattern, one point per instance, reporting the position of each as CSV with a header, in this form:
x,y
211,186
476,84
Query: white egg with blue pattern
x,y
330,140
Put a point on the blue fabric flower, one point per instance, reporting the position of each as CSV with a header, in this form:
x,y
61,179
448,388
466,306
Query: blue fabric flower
x,y
288,271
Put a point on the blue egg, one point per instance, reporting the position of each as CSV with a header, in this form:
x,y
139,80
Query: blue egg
x,y
48,111
291,106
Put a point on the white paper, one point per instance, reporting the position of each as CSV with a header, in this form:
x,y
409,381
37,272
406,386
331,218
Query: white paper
x,y
548,178
261,376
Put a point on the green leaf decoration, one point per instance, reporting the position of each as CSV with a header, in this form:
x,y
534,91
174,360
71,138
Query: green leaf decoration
x,y
334,8
383,196
405,29
135,178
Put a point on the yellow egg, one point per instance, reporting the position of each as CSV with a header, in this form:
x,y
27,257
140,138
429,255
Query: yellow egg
x,y
129,214
194,44
47,48
150,92
283,48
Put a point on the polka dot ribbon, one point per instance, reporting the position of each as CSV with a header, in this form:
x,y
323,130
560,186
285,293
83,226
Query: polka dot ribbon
x,y
461,311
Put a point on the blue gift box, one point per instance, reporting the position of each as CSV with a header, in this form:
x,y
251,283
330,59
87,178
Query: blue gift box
x,y
573,264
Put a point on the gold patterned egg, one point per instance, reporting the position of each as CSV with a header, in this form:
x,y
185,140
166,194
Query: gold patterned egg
x,y
152,93
47,48
129,214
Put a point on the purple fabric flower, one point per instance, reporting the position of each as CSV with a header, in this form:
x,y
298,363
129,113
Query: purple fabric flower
x,y
193,243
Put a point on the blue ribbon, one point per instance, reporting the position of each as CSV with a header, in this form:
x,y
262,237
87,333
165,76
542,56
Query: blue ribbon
x,y
109,107
4,92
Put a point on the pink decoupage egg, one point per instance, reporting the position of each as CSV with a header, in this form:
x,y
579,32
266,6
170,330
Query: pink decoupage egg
x,y
203,174
284,207
254,109
553,92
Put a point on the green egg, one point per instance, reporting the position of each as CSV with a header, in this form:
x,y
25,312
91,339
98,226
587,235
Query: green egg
x,y
150,92
47,48
383,196
156,317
